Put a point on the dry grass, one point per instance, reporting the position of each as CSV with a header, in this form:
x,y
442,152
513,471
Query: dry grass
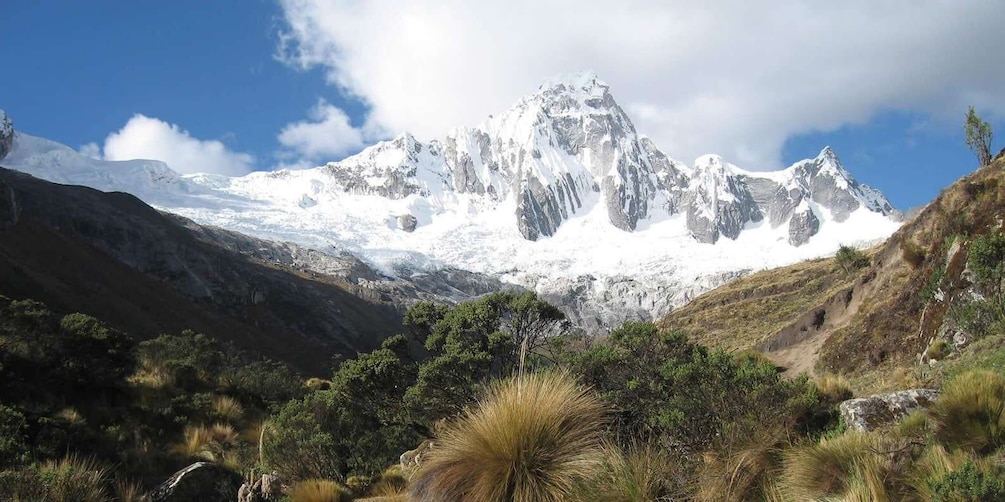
x,y
970,412
392,483
228,408
846,466
834,388
319,490
71,415
128,491
538,439
747,311
933,464
745,472
208,443
641,473
75,478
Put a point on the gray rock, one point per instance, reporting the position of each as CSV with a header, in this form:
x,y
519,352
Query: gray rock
x,y
802,226
407,222
881,410
199,482
6,135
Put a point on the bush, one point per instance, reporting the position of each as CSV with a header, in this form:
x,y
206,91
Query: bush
x,y
849,258
970,412
536,439
13,448
979,317
986,260
971,483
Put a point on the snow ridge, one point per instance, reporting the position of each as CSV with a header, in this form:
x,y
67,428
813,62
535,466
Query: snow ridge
x,y
559,194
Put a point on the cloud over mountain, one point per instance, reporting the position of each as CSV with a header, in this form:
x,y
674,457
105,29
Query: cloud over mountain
x,y
732,77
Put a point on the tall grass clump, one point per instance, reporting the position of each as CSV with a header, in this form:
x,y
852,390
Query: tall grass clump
x,y
642,472
228,408
744,471
834,388
970,412
76,478
849,465
319,490
532,439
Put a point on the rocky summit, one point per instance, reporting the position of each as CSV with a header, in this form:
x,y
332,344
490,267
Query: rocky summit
x,y
560,194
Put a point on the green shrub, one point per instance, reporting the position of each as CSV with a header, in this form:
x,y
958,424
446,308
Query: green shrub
x,y
971,483
13,448
986,260
979,317
849,258
533,439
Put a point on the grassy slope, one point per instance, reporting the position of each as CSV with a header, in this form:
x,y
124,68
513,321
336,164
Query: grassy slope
x,y
879,330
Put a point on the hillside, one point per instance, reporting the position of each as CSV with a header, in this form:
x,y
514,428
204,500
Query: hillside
x,y
145,272
814,316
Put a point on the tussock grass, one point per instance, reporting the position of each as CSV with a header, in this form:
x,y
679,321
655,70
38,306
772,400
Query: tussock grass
x,y
933,464
319,490
208,443
970,412
315,383
834,388
128,491
536,439
846,466
75,478
392,483
228,408
746,471
641,473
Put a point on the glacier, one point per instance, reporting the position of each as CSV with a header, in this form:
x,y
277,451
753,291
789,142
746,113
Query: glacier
x,y
559,195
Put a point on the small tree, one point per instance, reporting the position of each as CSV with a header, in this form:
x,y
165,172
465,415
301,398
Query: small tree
x,y
978,136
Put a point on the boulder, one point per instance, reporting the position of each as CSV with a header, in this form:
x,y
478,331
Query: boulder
x,y
266,489
412,459
881,410
199,482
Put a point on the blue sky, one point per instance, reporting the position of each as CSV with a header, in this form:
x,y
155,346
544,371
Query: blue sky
x,y
256,84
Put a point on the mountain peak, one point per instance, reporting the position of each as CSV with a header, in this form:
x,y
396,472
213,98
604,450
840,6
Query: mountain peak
x,y
585,81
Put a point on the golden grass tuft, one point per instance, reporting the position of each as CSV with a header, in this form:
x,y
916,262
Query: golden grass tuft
x,y
834,388
228,408
71,415
641,473
129,491
75,478
535,439
319,490
933,464
745,472
970,412
315,383
208,443
849,465
392,483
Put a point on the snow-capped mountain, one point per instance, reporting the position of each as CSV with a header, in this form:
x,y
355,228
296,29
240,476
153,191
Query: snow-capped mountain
x,y
559,194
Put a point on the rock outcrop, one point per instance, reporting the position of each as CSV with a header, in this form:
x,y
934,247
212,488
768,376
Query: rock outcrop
x,y
881,410
199,482
6,135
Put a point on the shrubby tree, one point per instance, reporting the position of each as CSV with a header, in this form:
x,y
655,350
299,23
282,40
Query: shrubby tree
x,y
979,136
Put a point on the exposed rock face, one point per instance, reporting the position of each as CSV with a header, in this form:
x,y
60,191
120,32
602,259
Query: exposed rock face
x,y
6,135
803,225
199,482
869,413
571,145
407,222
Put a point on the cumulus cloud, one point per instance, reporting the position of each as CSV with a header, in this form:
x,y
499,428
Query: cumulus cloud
x,y
328,133
150,138
732,76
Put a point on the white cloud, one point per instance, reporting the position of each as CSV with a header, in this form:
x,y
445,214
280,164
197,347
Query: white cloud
x,y
735,77
327,134
150,138
91,150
